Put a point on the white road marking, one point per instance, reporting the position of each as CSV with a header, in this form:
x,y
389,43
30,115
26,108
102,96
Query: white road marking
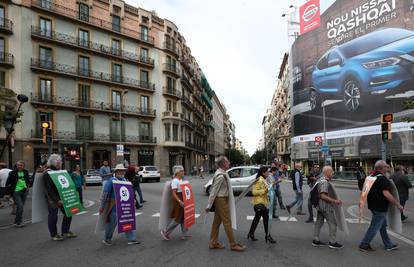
x,y
82,212
197,215
88,203
156,214
96,214
138,213
355,220
351,211
288,219
250,218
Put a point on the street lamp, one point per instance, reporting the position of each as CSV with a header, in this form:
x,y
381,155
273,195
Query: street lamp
x,y
9,121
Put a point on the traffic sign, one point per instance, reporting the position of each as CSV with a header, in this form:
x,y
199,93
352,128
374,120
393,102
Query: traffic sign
x,y
119,150
325,148
318,139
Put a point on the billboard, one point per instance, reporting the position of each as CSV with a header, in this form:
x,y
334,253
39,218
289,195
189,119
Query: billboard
x,y
309,16
357,64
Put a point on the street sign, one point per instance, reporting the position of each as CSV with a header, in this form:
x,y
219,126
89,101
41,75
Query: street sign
x,y
318,139
325,148
119,150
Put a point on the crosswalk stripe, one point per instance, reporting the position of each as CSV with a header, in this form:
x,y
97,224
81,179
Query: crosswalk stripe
x,y
197,215
288,219
138,213
82,212
156,214
355,220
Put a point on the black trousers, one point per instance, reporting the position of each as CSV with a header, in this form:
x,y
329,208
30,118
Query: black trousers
x,y
260,212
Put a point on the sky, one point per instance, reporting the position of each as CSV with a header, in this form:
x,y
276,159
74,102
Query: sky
x,y
239,45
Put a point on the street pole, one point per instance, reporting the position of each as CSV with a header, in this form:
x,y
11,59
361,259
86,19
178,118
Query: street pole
x,y
324,132
383,150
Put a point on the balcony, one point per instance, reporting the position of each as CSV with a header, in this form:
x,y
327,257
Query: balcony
x,y
189,123
6,26
98,138
56,9
6,60
172,115
70,103
88,74
186,82
171,69
187,102
172,92
170,47
100,49
195,146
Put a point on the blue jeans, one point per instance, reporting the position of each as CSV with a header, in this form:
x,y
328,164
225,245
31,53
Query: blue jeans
x,y
110,227
80,192
19,199
298,200
138,189
378,223
52,219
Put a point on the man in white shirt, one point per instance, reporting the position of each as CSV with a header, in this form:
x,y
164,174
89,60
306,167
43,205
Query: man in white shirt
x,y
4,174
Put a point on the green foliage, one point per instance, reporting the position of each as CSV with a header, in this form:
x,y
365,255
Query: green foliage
x,y
8,95
235,156
259,157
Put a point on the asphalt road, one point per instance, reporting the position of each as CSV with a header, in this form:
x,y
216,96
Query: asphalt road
x,y
31,245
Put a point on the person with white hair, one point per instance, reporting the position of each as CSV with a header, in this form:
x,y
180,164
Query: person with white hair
x,y
55,203
177,210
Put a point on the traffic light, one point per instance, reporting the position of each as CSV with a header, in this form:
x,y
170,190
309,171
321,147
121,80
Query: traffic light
x,y
386,131
389,117
46,132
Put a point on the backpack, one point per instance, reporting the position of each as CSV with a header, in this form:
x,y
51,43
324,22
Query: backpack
x,y
314,195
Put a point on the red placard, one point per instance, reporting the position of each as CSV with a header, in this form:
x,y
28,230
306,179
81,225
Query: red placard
x,y
189,209
310,16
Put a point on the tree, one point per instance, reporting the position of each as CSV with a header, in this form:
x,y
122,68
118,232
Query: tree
x,y
259,157
7,103
235,156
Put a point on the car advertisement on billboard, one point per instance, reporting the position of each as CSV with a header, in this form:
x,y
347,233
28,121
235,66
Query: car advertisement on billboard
x,y
358,64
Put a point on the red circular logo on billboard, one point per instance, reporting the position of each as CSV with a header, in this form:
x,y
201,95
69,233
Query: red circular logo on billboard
x,y
310,12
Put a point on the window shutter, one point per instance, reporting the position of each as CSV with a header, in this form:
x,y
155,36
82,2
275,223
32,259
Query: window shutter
x,y
38,129
123,129
77,127
91,130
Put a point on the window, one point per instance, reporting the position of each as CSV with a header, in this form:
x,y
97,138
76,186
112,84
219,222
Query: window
x,y
144,101
84,90
2,78
45,57
144,77
2,16
169,105
175,132
117,73
144,55
334,59
83,12
83,66
46,4
116,130
45,90
2,49
323,62
144,33
144,131
83,38
116,23
84,128
235,173
45,27
116,47
167,132
182,134
170,84
116,100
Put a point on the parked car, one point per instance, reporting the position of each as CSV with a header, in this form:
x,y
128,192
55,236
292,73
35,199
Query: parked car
x,y
92,176
377,63
147,173
240,177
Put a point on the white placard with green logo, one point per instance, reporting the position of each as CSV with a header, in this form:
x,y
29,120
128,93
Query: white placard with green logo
x,y
67,192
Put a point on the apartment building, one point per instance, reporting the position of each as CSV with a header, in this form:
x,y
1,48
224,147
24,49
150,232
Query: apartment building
x,y
104,73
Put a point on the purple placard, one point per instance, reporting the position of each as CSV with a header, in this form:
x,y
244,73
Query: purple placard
x,y
125,209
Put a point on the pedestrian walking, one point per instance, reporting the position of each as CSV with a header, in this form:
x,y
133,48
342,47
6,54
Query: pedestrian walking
x,y
325,208
201,172
54,202
131,175
108,208
105,172
79,181
260,205
4,174
312,178
177,204
273,181
221,202
17,186
379,197
278,175
361,175
297,182
403,185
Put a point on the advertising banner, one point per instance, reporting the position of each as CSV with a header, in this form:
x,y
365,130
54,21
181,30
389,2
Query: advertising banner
x,y
358,64
310,17
67,192
189,209
125,209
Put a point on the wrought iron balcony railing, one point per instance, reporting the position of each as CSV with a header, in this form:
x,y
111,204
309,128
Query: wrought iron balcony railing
x,y
6,59
47,65
171,68
102,49
50,6
6,25
171,92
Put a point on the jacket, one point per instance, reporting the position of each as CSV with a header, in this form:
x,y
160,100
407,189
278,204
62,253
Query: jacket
x,y
132,177
292,176
403,184
220,187
260,192
12,181
52,194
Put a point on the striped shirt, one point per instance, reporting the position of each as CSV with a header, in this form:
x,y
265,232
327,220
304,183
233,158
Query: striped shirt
x,y
325,187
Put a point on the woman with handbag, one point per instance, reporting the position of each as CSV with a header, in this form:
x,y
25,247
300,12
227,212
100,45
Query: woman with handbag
x,y
260,202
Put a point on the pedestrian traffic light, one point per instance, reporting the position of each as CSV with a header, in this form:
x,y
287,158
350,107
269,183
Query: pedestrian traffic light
x,y
46,132
387,118
386,131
